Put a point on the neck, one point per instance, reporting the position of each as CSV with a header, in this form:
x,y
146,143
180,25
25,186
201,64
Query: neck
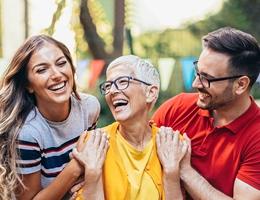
x,y
55,113
137,134
229,113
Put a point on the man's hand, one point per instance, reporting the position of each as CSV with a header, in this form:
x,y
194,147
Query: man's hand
x,y
186,161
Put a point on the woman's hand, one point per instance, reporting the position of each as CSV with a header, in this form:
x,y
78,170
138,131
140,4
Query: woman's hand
x,y
93,154
171,149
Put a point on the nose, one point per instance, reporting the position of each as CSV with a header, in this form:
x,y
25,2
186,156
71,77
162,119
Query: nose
x,y
55,73
196,83
113,89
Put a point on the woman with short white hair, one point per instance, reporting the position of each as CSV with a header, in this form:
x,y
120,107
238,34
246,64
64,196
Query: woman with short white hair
x,y
130,165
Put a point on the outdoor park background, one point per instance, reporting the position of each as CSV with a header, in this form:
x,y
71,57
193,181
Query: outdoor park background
x,y
167,32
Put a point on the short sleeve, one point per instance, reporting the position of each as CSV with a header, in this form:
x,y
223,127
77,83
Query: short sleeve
x,y
165,113
93,107
249,171
29,154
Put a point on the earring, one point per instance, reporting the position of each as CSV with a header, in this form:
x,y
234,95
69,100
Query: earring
x,y
30,90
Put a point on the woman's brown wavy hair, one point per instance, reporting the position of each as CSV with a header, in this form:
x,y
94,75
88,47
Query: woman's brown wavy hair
x,y
15,104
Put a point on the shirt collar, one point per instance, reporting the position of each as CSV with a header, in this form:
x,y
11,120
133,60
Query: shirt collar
x,y
239,122
247,116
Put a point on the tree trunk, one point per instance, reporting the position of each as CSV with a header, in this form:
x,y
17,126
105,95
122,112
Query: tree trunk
x,y
95,42
119,27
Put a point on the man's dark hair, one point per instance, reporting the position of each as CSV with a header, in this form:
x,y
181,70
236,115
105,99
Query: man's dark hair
x,y
242,48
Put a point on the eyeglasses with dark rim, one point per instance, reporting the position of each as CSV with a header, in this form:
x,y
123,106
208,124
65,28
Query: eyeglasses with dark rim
x,y
205,81
121,83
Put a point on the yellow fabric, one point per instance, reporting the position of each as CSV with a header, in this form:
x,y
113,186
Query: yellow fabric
x,y
80,195
116,184
141,184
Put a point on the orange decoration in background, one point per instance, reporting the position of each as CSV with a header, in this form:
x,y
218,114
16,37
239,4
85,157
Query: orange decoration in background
x,y
96,67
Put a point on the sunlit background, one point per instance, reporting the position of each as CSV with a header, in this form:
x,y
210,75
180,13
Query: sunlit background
x,y
165,32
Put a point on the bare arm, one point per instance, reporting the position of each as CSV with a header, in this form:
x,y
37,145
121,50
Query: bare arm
x,y
170,151
60,185
199,188
56,190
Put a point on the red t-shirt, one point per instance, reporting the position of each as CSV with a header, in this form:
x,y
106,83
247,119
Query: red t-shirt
x,y
219,154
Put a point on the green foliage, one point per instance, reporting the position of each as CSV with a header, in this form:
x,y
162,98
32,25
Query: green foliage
x,y
101,16
103,24
56,16
106,116
169,43
108,6
82,50
256,90
241,14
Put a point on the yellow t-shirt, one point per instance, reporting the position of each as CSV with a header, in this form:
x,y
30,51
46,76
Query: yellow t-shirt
x,y
141,185
115,176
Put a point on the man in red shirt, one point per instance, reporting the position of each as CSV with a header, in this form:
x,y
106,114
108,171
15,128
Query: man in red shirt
x,y
222,120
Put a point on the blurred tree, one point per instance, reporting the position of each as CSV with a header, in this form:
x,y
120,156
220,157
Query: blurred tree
x,y
242,14
95,28
95,42
173,43
56,16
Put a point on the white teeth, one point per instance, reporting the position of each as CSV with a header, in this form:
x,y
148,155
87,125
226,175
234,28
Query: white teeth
x,y
58,86
203,95
119,102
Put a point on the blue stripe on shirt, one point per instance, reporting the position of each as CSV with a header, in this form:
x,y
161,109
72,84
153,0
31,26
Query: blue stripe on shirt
x,y
28,154
56,161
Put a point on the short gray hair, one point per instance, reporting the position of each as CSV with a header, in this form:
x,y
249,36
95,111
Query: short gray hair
x,y
143,69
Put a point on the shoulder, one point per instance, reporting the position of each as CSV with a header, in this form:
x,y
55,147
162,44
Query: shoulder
x,y
111,129
89,100
174,108
183,99
179,102
89,107
32,128
88,103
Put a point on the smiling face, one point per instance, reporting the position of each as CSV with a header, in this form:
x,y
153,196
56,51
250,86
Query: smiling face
x,y
50,76
220,94
127,104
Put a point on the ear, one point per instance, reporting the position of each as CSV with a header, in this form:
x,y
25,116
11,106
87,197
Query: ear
x,y
242,85
151,93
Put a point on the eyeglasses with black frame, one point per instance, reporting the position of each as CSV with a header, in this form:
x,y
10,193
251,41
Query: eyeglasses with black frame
x,y
205,81
121,83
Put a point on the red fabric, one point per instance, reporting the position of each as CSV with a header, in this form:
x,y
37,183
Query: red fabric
x,y
96,67
219,154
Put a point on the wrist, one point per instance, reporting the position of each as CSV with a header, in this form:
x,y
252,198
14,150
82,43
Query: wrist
x,y
172,173
186,171
92,174
171,170
75,168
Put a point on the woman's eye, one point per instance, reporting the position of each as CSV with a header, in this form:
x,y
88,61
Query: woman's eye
x,y
123,82
62,63
107,86
41,70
